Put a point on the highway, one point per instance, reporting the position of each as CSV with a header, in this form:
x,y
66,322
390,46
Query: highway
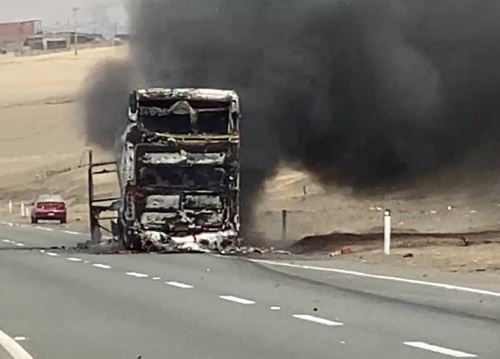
x,y
65,304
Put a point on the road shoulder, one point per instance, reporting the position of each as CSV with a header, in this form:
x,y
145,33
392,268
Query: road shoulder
x,y
459,294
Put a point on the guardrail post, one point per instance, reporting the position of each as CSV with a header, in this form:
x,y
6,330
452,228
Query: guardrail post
x,y
10,207
284,215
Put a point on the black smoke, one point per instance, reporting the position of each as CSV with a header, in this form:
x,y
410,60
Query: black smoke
x,y
105,101
359,92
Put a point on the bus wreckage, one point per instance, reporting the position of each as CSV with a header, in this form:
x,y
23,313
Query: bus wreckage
x,y
178,172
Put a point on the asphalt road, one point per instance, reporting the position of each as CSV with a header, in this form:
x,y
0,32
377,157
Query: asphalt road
x,y
64,304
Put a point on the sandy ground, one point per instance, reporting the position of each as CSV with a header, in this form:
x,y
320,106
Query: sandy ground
x,y
42,150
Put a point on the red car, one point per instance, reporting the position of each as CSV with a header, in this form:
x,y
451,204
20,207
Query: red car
x,y
49,207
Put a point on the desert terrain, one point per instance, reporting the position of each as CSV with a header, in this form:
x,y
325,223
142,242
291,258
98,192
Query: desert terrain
x,y
43,149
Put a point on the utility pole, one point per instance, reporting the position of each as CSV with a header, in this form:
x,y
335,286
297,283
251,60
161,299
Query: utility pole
x,y
75,19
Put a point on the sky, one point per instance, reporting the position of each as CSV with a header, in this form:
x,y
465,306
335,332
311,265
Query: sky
x,y
94,15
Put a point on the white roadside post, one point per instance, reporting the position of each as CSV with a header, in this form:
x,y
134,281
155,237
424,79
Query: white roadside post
x,y
10,207
23,212
387,232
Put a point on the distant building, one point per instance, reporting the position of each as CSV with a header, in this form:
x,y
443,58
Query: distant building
x,y
83,38
14,34
46,42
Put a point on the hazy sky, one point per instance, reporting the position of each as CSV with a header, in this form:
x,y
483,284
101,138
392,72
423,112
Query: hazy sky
x,y
97,14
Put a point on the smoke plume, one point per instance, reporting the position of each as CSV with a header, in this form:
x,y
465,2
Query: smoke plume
x,y
105,100
360,92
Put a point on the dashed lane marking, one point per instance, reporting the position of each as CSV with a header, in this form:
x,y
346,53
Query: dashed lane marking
x,y
440,350
319,320
8,241
236,299
72,232
179,285
44,228
73,259
52,254
137,275
101,266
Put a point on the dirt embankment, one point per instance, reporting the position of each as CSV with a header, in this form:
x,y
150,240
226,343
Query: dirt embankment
x,y
42,146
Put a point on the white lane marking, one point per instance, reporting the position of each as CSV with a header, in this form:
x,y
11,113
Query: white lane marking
x,y
383,277
137,275
42,251
156,278
179,285
73,259
19,244
44,228
19,339
86,262
319,320
236,299
51,254
441,350
101,266
13,348
72,232
275,308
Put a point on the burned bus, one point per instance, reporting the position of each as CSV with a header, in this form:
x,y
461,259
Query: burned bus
x,y
179,170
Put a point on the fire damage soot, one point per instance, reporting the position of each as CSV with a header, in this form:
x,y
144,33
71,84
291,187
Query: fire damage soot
x,y
364,93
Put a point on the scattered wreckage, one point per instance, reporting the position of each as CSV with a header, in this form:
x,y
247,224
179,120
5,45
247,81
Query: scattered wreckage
x,y
178,173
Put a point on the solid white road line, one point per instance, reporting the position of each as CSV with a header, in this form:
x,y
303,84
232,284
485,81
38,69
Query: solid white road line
x,y
236,299
383,277
441,350
51,254
319,320
13,348
73,259
179,285
101,266
137,275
